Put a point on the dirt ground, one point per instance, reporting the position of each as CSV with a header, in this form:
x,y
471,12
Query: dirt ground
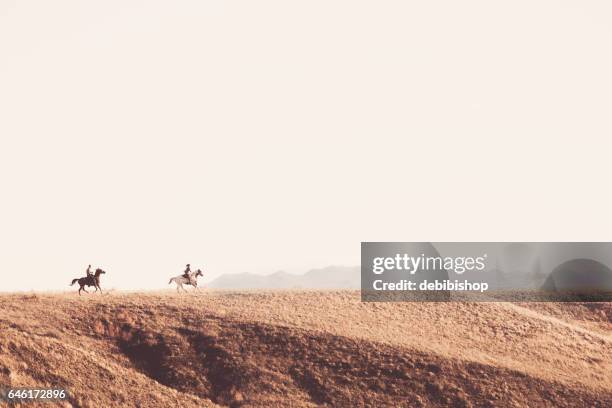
x,y
304,348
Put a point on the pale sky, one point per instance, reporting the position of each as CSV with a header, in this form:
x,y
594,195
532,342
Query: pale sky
x,y
254,136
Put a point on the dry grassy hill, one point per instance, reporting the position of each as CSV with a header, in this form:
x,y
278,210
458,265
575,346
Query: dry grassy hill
x,y
305,348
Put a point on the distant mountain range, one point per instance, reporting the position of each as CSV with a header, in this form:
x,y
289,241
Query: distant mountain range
x,y
331,277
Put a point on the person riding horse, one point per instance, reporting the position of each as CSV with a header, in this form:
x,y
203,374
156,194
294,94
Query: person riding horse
x,y
92,279
187,278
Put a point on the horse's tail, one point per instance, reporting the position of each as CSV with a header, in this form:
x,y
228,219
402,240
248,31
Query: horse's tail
x,y
74,281
171,280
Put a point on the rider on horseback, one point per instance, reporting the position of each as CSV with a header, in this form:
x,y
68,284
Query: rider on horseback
x,y
92,279
187,273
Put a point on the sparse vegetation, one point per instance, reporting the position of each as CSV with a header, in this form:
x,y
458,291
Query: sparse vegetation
x,y
305,348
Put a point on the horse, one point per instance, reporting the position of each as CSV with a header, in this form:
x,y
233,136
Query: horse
x,y
181,280
89,281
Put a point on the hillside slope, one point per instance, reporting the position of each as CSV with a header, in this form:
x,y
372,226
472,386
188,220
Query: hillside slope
x,y
305,348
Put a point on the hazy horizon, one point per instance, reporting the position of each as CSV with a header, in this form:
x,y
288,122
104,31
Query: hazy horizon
x,y
110,282
261,136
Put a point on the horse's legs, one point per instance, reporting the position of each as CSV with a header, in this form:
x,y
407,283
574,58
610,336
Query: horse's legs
x,y
178,285
99,287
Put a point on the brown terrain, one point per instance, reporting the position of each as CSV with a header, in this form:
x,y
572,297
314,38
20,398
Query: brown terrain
x,y
305,348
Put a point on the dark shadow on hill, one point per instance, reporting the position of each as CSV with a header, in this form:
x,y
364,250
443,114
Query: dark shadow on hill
x,y
247,364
